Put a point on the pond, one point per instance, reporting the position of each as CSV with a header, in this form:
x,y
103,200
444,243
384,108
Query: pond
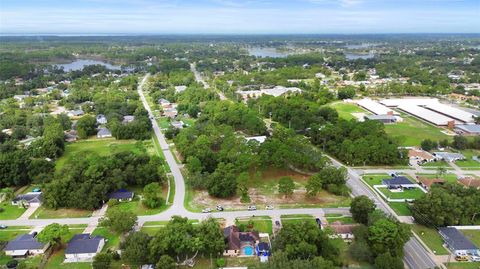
x,y
267,52
81,63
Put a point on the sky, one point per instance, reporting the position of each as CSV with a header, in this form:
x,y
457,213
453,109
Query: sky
x,y
238,17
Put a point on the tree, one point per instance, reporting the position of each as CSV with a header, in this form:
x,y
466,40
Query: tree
x,y
361,207
388,236
135,249
151,195
166,262
211,237
346,93
460,142
329,178
222,183
441,171
65,121
428,145
102,261
119,220
54,234
86,126
387,261
286,186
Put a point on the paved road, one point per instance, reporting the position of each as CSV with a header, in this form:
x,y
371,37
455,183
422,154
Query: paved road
x,y
416,256
199,78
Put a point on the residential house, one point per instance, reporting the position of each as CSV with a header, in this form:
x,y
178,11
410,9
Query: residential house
x,y
398,182
181,88
470,182
75,113
71,136
30,199
449,156
420,155
101,119
20,97
428,182
104,133
240,243
25,245
177,124
263,251
121,195
457,242
170,112
128,119
260,139
164,103
83,247
343,231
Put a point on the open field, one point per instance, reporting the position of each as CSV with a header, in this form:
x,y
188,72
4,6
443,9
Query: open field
x,y
102,147
136,206
263,190
431,238
400,208
47,213
405,194
10,211
345,110
412,131
451,178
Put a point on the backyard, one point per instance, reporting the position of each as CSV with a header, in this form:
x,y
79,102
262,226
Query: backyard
x,y
431,238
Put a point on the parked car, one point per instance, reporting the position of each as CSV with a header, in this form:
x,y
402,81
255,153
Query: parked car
x,y
207,210
461,258
277,223
3,226
219,208
252,207
319,222
269,207
475,258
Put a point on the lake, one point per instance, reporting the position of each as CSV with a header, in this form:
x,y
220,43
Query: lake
x,y
81,63
267,52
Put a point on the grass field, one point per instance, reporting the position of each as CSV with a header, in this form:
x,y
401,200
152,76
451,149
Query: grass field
x,y
112,241
291,219
431,238
463,265
260,224
47,213
412,131
10,211
452,178
401,208
345,110
56,262
102,147
437,164
405,194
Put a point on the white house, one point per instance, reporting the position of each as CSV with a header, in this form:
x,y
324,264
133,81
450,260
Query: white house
x,y
83,247
25,245
104,133
101,119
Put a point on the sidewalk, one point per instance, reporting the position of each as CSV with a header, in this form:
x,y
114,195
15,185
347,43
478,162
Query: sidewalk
x,y
30,210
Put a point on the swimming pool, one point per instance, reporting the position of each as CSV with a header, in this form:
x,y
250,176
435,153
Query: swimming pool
x,y
248,250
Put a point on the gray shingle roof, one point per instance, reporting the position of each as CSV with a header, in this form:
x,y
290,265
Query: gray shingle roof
x,y
83,243
469,128
397,181
31,197
456,240
121,194
24,242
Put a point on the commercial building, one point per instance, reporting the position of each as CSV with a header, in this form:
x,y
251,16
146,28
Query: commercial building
x,y
452,112
386,119
375,107
457,242
468,129
427,115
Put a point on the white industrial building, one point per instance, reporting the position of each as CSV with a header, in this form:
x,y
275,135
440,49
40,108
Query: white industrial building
x,y
452,112
375,107
395,102
426,114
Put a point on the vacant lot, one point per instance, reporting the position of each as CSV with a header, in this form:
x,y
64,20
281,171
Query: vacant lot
x,y
431,238
47,213
259,224
412,131
102,147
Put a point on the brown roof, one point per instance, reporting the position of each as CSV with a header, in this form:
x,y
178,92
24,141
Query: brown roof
x,y
235,237
340,228
420,154
428,182
470,182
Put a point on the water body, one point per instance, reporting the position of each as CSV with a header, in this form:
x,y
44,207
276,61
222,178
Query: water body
x,y
360,46
81,63
355,56
267,52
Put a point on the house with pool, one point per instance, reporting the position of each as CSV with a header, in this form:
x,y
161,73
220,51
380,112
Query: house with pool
x,y
245,244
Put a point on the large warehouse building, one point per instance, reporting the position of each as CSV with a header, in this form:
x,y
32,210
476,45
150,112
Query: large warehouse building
x,y
452,112
427,115
375,107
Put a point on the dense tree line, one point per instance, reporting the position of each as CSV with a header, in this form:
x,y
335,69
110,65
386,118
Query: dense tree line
x,y
446,205
358,143
139,129
85,181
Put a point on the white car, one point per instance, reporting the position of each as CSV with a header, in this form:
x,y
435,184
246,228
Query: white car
x,y
269,207
207,210
252,207
475,258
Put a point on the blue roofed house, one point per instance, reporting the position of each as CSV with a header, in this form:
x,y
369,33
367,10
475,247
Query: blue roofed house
x,y
25,245
28,199
104,133
398,182
457,242
121,195
263,251
83,247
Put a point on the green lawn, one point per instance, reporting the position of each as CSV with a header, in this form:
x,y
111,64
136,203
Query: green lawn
x,y
291,219
437,164
102,147
138,208
56,262
463,265
473,235
10,211
260,224
401,208
431,238
451,178
374,179
47,213
412,131
112,241
468,164
414,193
343,219
345,110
